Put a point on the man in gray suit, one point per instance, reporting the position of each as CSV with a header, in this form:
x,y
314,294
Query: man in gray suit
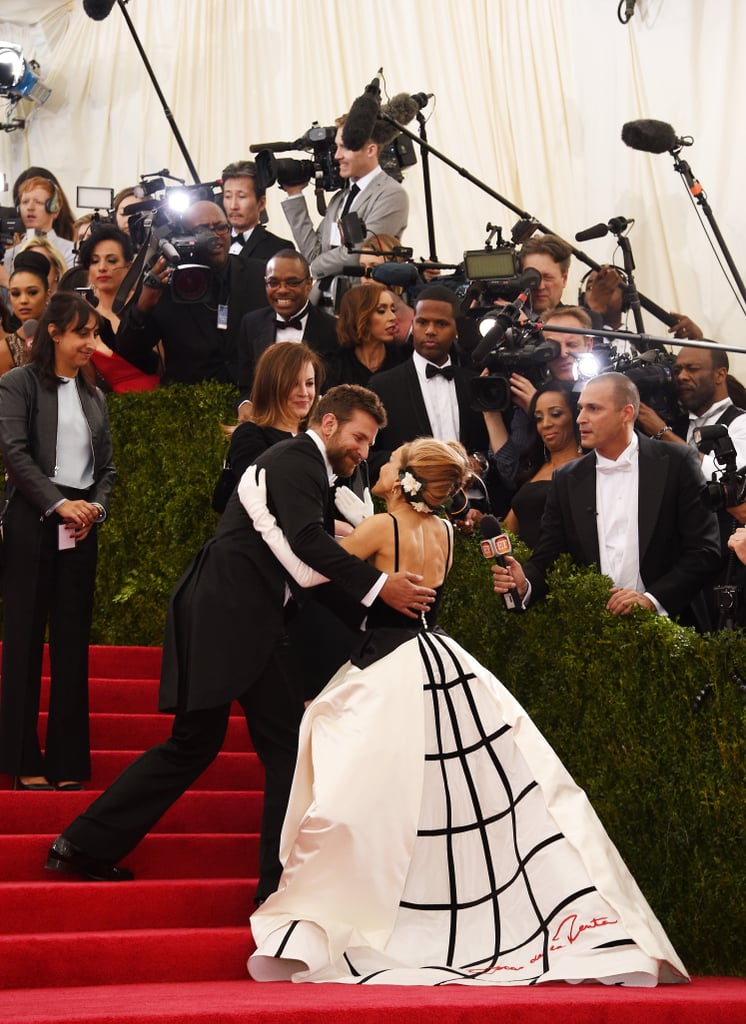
x,y
379,201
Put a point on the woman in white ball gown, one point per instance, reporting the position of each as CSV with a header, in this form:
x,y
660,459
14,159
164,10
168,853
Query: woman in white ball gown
x,y
432,835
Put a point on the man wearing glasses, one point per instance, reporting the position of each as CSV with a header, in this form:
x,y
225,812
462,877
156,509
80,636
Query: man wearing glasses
x,y
290,317
198,339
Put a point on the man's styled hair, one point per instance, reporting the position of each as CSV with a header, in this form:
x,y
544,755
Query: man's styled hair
x,y
576,312
345,400
439,293
243,169
549,245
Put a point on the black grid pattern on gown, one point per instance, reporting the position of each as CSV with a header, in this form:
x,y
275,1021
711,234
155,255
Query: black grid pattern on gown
x,y
446,677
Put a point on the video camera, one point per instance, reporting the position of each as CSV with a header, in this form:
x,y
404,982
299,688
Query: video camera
x,y
509,346
10,225
494,272
322,168
652,374
729,489
156,230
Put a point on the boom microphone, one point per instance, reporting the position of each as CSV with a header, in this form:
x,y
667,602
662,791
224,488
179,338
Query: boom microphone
x,y
616,225
395,275
402,107
652,137
421,98
496,544
98,9
361,119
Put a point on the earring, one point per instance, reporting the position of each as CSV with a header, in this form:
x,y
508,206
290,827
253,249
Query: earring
x,y
547,456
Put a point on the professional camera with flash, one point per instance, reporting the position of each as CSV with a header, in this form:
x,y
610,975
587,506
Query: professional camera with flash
x,y
727,489
510,344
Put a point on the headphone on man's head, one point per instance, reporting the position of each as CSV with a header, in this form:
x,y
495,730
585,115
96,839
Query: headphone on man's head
x,y
587,274
52,205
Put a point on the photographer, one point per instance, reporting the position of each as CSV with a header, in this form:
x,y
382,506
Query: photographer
x,y
509,435
199,338
702,387
380,202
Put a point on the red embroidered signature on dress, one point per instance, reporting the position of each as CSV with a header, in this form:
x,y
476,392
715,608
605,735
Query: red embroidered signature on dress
x,y
575,929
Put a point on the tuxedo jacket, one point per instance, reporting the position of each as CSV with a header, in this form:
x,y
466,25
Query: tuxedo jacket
x,y
258,330
678,535
383,206
194,347
226,614
399,390
262,244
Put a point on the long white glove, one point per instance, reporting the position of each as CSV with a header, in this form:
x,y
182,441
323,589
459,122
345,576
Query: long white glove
x,y
252,493
353,509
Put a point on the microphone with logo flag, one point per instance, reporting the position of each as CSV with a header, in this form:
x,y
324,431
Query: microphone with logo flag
x,y
496,545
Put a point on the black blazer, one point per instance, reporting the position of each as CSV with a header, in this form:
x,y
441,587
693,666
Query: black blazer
x,y
678,535
399,390
257,332
262,244
226,614
195,348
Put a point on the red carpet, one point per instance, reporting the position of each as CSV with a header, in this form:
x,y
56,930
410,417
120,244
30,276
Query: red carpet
x,y
172,946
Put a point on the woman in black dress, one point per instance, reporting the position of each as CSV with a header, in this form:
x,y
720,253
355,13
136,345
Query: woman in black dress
x,y
366,327
553,441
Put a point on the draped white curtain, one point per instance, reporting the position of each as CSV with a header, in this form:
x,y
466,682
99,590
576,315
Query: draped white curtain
x,y
530,97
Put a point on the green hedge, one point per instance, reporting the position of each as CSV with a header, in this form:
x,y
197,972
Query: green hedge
x,y
612,694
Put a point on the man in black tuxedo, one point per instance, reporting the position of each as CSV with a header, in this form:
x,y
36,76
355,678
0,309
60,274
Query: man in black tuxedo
x,y
289,317
632,507
198,338
245,203
427,396
224,642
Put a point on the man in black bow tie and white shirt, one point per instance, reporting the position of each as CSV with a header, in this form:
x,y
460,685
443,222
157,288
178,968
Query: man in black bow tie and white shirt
x,y
632,507
290,317
427,396
244,204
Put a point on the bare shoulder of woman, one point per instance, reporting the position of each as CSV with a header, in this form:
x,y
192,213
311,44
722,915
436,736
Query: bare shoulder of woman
x,y
372,536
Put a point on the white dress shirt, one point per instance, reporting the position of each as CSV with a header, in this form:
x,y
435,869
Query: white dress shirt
x,y
441,401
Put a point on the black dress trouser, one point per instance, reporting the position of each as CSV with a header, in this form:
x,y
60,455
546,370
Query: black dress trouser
x,y
45,586
116,822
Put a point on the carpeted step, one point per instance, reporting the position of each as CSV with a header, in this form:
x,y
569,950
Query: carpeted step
x,y
159,855
140,732
119,957
120,695
239,771
78,906
194,811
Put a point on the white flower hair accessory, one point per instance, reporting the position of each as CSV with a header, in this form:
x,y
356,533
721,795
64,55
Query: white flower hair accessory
x,y
412,488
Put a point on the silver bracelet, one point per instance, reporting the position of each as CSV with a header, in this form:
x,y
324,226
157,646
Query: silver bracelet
x,y
661,432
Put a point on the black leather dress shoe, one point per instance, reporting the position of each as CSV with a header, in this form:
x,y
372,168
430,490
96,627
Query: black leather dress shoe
x,y
65,857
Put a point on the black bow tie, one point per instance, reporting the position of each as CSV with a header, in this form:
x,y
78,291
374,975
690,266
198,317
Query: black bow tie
x,y
238,238
431,370
294,323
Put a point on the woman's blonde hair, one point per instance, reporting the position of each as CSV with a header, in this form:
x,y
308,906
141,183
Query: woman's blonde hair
x,y
442,466
53,254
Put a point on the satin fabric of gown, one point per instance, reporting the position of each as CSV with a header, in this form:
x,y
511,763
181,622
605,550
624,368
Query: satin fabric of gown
x,y
434,837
